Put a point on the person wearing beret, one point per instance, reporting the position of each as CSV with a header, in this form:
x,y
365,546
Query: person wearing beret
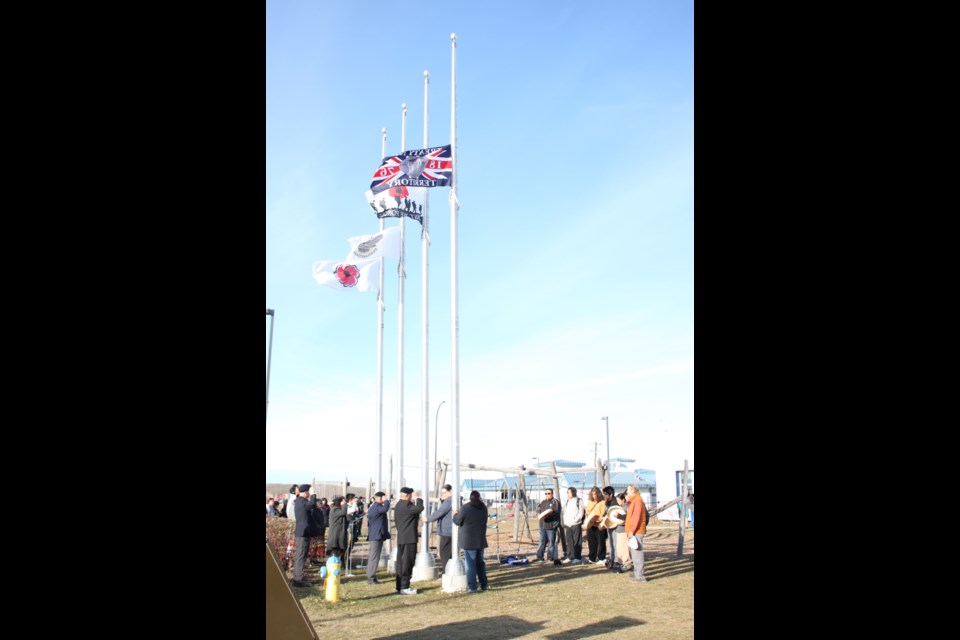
x,y
406,515
302,507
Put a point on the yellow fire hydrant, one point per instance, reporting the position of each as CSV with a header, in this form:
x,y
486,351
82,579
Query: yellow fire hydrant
x,y
331,575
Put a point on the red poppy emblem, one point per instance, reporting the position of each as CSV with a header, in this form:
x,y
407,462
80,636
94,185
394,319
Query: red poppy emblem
x,y
398,192
348,275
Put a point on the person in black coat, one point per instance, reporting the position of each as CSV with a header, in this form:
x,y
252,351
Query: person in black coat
x,y
472,520
337,540
303,508
406,515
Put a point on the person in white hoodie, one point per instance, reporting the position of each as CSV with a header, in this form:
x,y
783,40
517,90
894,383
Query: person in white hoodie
x,y
291,500
572,521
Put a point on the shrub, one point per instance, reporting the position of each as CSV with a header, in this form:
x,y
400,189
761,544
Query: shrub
x,y
279,531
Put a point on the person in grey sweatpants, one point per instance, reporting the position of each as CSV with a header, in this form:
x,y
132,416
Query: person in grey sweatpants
x,y
635,527
378,530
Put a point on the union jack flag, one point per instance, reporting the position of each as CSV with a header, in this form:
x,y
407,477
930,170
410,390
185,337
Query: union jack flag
x,y
415,168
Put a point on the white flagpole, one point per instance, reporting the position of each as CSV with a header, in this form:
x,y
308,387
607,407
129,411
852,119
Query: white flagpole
x,y
383,152
455,568
425,568
402,277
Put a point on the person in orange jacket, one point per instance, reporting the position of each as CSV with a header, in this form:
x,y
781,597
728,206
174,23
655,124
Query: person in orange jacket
x,y
635,527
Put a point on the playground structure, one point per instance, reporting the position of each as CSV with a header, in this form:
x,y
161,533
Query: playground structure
x,y
553,472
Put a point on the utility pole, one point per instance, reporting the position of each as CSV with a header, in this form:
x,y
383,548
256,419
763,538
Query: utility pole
x,y
607,420
595,463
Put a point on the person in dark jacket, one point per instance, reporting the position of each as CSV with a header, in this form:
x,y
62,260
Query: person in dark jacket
x,y
445,528
548,513
378,530
337,538
303,507
406,515
472,520
323,506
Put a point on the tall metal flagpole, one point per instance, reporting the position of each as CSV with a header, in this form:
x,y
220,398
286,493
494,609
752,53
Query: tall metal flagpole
x,y
454,576
402,277
425,568
383,152
383,557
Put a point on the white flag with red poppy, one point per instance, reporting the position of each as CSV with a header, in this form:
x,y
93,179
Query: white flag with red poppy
x,y
399,201
357,275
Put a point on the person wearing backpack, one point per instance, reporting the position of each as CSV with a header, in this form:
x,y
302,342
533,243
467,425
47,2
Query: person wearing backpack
x,y
572,520
635,528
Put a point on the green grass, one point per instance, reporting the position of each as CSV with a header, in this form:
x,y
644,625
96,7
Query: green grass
x,y
540,600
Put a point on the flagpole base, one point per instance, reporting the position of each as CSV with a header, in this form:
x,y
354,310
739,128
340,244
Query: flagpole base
x,y
454,577
425,567
392,563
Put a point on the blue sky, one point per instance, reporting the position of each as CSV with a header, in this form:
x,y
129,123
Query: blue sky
x,y
575,165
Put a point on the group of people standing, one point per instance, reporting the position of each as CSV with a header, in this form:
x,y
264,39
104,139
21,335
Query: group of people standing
x,y
336,522
619,521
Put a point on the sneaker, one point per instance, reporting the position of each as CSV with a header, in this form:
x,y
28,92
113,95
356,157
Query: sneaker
x,y
408,592
566,561
471,590
632,579
302,585
484,588
372,581
556,563
537,560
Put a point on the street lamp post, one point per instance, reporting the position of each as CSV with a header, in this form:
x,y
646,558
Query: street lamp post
x,y
269,355
607,420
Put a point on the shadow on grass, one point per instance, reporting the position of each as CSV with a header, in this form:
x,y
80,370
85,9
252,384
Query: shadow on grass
x,y
511,577
659,566
503,576
594,629
495,627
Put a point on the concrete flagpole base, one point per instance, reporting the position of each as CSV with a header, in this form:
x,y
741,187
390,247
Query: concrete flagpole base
x,y
454,576
392,562
425,567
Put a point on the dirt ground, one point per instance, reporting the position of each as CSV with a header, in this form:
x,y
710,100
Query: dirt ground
x,y
540,600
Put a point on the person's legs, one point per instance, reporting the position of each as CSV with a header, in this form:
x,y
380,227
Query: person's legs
x,y
301,549
601,544
576,542
543,544
623,551
470,559
373,559
568,538
446,551
592,544
550,539
612,552
637,556
482,570
409,554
